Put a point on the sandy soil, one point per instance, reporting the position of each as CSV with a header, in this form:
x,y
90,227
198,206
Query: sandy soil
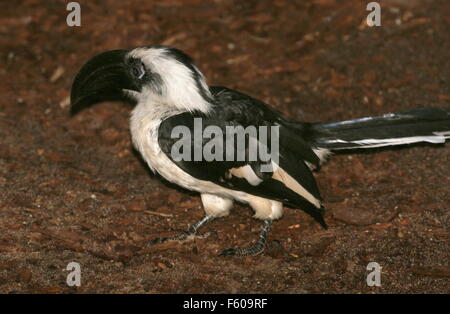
x,y
73,189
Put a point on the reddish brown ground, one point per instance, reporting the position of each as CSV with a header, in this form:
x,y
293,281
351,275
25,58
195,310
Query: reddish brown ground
x,y
72,189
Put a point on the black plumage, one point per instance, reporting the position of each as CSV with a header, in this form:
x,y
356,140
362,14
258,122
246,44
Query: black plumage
x,y
232,108
169,92
394,128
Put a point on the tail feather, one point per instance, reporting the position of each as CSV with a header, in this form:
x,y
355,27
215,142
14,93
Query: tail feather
x,y
430,125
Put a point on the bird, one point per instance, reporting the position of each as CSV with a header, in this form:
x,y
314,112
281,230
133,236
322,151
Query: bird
x,y
169,94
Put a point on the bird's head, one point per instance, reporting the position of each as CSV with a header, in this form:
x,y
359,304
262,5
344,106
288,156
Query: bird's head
x,y
153,75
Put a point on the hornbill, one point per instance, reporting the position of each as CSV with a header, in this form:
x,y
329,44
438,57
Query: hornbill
x,y
169,92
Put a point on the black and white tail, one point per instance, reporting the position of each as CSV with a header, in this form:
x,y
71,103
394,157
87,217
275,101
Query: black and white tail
x,y
430,125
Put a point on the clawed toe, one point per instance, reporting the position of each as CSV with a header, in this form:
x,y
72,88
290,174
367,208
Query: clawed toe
x,y
256,249
181,237
157,241
228,252
248,251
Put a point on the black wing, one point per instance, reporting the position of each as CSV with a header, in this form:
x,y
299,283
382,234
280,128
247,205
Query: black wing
x,y
234,109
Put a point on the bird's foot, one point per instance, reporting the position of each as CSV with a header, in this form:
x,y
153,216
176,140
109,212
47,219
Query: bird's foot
x,y
184,236
189,234
252,250
247,251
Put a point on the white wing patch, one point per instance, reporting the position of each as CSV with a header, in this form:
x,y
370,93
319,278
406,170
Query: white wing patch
x,y
246,172
292,184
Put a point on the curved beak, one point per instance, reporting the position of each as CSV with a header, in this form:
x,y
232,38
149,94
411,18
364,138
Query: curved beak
x,y
103,78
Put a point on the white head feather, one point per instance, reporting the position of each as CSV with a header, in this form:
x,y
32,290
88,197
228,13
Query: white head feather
x,y
181,88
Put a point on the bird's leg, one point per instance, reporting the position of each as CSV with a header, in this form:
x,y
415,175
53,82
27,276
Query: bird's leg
x,y
192,230
252,250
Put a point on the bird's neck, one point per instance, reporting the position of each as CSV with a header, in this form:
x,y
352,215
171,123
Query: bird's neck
x,y
180,98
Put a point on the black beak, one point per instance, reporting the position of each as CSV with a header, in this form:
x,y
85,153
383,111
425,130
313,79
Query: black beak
x,y
103,78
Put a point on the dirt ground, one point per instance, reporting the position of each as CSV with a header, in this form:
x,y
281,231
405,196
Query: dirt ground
x,y
72,189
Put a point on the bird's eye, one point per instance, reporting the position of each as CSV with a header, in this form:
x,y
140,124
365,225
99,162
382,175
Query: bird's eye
x,y
138,70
